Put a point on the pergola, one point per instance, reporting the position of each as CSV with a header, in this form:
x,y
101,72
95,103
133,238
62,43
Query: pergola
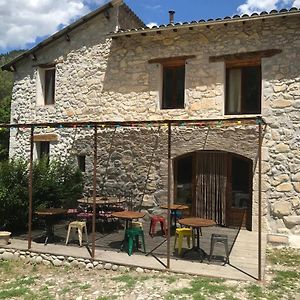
x,y
205,123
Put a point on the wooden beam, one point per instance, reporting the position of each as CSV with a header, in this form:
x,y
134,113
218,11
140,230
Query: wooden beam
x,y
245,55
173,59
47,137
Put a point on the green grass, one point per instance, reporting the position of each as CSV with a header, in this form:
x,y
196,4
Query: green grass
x,y
202,288
285,257
130,281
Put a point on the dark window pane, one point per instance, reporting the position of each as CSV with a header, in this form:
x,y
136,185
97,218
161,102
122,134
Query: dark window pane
x,y
243,90
49,86
173,87
43,150
252,89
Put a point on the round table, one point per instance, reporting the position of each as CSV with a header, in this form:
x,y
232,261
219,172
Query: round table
x,y
50,215
197,224
174,208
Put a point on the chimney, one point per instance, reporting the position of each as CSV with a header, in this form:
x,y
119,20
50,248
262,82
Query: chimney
x,y
171,16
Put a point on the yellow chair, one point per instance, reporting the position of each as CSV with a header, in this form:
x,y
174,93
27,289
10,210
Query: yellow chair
x,y
180,234
79,225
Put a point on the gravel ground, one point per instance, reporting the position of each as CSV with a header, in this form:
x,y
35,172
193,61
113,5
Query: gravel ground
x,y
23,280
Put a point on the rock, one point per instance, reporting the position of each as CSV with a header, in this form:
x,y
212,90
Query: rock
x,y
107,266
139,270
278,239
282,148
115,267
38,259
284,187
297,186
291,221
99,267
149,201
8,256
46,262
57,262
281,208
122,269
89,266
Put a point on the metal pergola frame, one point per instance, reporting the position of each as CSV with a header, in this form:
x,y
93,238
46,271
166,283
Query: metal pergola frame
x,y
229,122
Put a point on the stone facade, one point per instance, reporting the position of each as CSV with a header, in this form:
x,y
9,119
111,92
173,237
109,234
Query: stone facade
x,y
104,79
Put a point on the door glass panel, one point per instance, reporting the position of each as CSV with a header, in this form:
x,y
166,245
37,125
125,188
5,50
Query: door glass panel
x,y
184,180
240,183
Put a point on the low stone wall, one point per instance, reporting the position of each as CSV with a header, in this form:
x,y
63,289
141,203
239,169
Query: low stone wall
x,y
61,260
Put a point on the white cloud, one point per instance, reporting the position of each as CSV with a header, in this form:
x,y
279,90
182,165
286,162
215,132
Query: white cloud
x,y
151,24
22,21
251,6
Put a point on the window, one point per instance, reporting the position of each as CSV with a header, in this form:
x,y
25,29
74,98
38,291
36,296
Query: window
x,y
43,150
173,86
243,90
81,162
46,85
49,90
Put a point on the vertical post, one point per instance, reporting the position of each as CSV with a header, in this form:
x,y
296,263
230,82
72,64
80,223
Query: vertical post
x,y
259,200
169,196
94,192
30,189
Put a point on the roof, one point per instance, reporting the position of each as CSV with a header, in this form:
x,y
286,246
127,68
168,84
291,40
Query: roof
x,y
68,29
226,20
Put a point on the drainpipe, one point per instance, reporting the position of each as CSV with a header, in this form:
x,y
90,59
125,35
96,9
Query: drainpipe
x,y
171,16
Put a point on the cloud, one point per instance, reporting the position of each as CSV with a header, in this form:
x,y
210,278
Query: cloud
x,y
151,24
23,21
251,6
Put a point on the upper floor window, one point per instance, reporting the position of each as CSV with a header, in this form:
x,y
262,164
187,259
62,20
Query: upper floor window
x,y
243,90
46,85
49,90
173,86
173,81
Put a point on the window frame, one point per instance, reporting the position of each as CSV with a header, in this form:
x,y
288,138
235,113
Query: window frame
x,y
242,65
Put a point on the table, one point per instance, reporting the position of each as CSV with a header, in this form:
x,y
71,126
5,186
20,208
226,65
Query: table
x,y
50,215
196,224
174,208
101,200
128,216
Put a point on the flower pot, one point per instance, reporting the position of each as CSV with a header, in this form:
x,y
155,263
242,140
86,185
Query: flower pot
x,y
4,237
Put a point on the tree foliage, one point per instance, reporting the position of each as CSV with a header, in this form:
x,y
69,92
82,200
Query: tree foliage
x,y
6,84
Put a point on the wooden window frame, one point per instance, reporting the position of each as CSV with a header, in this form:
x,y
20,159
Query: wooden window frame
x,y
242,64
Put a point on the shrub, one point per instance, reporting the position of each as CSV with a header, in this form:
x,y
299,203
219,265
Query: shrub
x,y
55,184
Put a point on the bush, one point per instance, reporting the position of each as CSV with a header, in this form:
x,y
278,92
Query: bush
x,y
55,184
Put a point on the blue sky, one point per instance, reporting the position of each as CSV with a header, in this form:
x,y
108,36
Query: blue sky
x,y
23,23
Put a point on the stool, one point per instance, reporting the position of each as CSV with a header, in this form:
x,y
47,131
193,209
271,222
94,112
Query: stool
x,y
219,238
154,221
132,234
181,233
79,225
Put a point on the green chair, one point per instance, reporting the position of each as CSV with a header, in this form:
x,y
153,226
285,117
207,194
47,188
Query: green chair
x,y
132,234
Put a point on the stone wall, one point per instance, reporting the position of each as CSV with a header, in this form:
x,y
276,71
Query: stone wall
x,y
103,79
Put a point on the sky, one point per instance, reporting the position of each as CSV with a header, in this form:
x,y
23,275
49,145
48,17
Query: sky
x,y
24,23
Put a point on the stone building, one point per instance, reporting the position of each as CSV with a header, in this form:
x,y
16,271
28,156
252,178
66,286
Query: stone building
x,y
108,66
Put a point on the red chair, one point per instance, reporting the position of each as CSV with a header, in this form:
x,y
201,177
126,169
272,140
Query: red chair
x,y
154,221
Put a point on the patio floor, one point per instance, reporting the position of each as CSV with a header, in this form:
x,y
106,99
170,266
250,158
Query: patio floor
x,y
243,248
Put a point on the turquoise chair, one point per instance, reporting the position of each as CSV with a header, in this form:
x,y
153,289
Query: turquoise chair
x,y
132,235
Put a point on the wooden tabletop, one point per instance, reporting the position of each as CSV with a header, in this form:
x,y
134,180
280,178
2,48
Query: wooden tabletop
x,y
175,206
197,222
101,200
128,215
51,212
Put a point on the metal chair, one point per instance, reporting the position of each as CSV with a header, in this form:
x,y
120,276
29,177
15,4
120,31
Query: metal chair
x,y
219,238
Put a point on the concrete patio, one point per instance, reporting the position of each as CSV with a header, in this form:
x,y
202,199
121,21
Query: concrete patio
x,y
243,247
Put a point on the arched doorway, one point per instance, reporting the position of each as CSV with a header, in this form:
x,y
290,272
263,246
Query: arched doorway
x,y
216,185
